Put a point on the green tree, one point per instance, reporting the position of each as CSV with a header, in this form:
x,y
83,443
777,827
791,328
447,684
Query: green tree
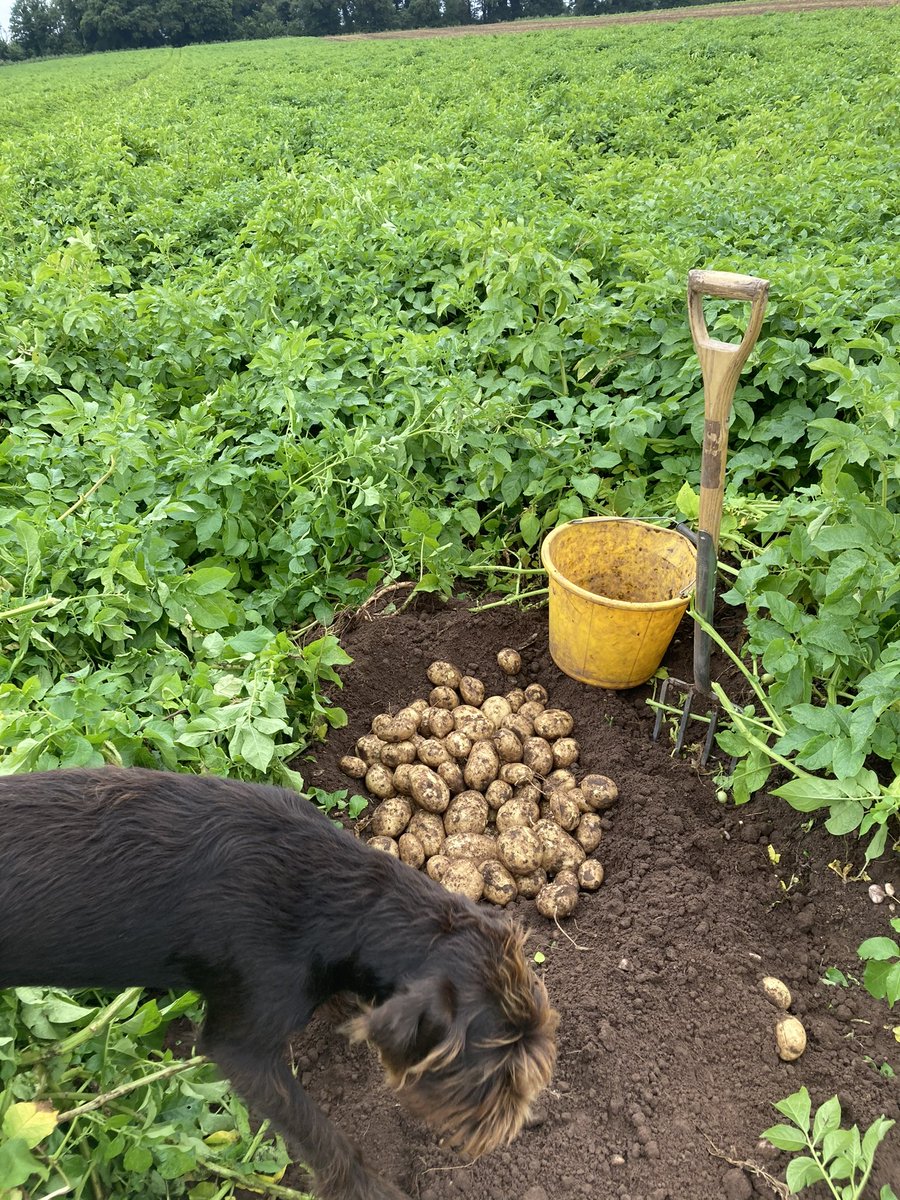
x,y
34,25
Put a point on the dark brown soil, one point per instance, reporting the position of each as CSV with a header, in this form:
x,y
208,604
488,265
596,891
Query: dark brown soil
x,y
667,1066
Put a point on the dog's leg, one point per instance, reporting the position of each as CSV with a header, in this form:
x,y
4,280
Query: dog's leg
x,y
262,1077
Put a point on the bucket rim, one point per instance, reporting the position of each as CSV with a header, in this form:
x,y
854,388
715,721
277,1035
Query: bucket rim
x,y
560,580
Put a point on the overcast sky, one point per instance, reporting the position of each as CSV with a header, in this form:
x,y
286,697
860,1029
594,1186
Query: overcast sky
x,y
5,6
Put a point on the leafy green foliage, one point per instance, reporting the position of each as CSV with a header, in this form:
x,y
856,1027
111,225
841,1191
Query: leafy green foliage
x,y
841,1158
882,958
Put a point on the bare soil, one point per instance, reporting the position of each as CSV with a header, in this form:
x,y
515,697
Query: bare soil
x,y
627,18
667,1064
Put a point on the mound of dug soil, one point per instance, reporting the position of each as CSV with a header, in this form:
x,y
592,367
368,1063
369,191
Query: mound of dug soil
x,y
667,1062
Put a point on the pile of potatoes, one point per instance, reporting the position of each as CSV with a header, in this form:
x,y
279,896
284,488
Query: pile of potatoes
x,y
480,792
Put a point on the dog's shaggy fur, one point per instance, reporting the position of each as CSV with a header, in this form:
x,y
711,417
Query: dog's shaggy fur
x,y
114,878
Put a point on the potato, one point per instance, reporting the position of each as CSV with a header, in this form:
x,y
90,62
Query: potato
x,y
776,992
553,723
530,709
565,751
412,852
466,813
443,674
537,692
509,745
436,722
465,877
428,789
401,779
386,845
559,849
495,708
556,900
589,832
521,850
481,766
560,778
429,829
418,706
472,722
536,753
516,699
479,847
395,753
391,817
577,795
564,810
353,766
471,691
590,874
380,781
369,748
436,867
432,752
790,1038
458,745
516,773
443,697
396,729
452,775
528,791
530,885
499,885
599,791
509,661
566,878
497,793
518,724
515,814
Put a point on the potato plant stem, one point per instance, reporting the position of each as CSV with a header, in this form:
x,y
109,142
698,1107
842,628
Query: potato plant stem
x,y
31,606
254,1183
103,1018
87,495
125,1088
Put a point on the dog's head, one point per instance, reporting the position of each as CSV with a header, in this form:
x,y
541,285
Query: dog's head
x,y
469,1043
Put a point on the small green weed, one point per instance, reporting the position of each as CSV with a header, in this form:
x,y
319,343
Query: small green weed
x,y
882,958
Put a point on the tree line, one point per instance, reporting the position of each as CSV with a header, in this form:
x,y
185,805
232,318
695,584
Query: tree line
x,y
50,27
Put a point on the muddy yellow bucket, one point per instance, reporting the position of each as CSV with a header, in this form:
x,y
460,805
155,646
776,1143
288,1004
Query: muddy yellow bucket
x,y
618,588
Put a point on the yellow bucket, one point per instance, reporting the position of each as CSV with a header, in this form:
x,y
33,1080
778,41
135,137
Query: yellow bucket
x,y
618,588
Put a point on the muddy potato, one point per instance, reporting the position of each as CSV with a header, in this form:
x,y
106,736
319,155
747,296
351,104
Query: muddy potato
x,y
380,781
458,745
530,709
790,1038
354,767
481,766
509,661
498,793
577,795
560,850
412,852
418,706
443,697
530,885
520,850
517,814
590,875
499,885
553,723
428,789
495,708
566,878
564,810
536,691
556,900
443,674
528,791
777,993
386,845
395,753
436,722
536,753
471,691
452,775
599,791
436,866
473,723
399,728
519,724
560,778
464,876
516,699
466,813
432,752
401,779
565,751
369,748
391,817
509,745
589,832
516,773
429,829
478,847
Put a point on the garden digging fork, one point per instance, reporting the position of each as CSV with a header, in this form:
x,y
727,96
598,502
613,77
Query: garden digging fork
x,y
721,364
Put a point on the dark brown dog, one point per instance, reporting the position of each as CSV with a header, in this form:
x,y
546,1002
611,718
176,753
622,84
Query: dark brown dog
x,y
248,894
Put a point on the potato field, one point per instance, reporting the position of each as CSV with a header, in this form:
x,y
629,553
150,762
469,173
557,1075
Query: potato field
x,y
305,346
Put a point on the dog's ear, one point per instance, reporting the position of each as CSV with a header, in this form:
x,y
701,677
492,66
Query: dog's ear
x,y
407,1028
